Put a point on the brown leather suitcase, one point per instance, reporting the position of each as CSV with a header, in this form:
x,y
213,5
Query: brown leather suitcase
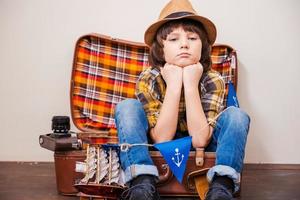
x,y
66,176
65,162
105,71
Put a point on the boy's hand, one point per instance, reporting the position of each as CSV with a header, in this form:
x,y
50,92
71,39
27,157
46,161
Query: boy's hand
x,y
192,75
172,75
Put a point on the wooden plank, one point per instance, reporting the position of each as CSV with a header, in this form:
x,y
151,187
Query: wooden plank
x,y
36,180
29,180
268,166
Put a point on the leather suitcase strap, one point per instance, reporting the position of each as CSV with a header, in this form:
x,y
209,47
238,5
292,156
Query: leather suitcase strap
x,y
201,186
197,180
199,177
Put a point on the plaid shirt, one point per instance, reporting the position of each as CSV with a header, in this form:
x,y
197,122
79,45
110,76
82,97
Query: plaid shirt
x,y
151,89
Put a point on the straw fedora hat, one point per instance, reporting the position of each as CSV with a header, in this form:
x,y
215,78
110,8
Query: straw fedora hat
x,y
179,9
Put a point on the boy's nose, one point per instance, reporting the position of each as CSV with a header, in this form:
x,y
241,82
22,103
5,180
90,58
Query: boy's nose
x,y
184,43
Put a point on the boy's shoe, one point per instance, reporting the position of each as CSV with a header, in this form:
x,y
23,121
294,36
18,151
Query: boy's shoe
x,y
142,187
221,188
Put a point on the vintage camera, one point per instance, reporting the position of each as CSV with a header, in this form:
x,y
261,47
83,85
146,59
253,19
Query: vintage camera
x,y
60,126
60,139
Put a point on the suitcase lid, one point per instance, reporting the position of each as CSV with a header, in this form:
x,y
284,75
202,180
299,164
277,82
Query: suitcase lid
x,y
105,71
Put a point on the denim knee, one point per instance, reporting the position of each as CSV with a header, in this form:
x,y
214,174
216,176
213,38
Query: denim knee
x,y
234,115
128,106
130,116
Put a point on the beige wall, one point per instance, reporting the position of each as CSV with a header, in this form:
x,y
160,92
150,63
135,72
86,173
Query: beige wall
x,y
37,39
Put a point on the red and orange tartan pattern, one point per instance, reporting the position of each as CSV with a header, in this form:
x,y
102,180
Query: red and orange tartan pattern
x,y
105,72
224,61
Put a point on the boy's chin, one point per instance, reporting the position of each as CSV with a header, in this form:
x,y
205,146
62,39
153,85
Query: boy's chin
x,y
183,65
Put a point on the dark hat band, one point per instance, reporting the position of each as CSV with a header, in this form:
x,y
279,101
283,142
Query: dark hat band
x,y
178,14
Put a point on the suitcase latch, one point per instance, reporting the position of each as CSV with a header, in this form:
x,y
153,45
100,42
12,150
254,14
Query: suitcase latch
x,y
199,157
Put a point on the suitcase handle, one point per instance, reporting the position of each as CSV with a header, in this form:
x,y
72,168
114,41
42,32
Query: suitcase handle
x,y
163,178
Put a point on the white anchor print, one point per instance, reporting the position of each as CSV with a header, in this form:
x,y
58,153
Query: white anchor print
x,y
177,162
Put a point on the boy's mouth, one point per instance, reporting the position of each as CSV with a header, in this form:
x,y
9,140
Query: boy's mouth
x,y
184,55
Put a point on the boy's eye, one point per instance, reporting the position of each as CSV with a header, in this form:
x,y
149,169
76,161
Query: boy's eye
x,y
193,38
172,39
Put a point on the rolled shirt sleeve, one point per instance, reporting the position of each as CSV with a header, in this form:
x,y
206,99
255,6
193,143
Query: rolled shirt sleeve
x,y
148,93
212,95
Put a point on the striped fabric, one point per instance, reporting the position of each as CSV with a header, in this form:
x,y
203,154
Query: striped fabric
x,y
105,72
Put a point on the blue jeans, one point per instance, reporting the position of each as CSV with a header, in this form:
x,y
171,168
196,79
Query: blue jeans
x,y
228,141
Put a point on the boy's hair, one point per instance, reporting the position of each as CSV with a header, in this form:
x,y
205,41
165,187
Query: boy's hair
x,y
156,54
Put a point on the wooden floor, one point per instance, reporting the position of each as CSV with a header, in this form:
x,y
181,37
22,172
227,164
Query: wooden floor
x,y
28,181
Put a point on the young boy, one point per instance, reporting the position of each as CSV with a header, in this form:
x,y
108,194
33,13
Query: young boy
x,y
179,96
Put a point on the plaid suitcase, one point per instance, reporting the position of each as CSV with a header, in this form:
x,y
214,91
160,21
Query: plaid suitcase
x,y
104,73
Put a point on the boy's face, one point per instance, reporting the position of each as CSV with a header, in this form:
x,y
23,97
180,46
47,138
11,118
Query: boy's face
x,y
182,48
